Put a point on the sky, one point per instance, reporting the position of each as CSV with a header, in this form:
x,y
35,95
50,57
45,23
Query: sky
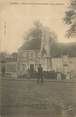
x,y
17,19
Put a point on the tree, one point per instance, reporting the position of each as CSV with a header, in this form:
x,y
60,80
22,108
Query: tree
x,y
38,35
35,32
33,37
70,19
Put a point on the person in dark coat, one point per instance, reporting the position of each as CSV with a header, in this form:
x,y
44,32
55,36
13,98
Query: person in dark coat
x,y
3,71
40,73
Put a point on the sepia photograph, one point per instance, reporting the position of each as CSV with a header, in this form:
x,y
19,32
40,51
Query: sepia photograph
x,y
37,58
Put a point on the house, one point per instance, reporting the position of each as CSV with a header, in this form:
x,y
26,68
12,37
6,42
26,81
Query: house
x,y
35,51
41,47
9,63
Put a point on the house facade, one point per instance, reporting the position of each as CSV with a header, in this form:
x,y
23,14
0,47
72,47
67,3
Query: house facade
x,y
42,48
36,50
28,59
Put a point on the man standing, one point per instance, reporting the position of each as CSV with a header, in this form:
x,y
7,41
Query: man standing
x,y
58,76
3,69
40,73
68,76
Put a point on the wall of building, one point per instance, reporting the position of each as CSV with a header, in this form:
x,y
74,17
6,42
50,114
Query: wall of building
x,y
10,68
57,64
26,58
64,65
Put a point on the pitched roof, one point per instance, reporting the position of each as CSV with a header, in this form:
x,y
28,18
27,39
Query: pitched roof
x,y
61,49
57,50
31,44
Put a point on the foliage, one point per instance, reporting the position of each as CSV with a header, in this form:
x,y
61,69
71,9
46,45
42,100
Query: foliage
x,y
70,19
38,33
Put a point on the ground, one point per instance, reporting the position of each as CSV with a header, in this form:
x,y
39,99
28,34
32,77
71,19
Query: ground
x,y
27,98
